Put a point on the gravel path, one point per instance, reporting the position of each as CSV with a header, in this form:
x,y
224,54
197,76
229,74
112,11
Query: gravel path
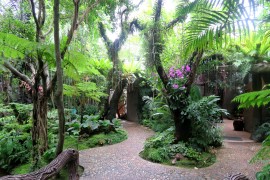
x,y
122,162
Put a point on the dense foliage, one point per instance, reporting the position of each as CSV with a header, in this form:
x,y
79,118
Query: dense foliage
x,y
263,156
161,148
16,143
204,114
45,56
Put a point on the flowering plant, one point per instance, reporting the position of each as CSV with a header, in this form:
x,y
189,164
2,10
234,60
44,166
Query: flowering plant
x,y
176,86
177,77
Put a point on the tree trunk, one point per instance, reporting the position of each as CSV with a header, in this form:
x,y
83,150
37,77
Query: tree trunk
x,y
69,157
182,126
39,129
105,101
115,99
59,71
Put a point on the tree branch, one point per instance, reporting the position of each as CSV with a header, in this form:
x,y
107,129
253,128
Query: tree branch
x,y
136,6
175,21
18,74
87,11
158,11
135,24
74,26
34,12
194,67
42,15
102,32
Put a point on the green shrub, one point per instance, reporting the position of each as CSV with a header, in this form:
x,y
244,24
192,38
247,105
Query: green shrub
x,y
160,139
156,114
21,111
204,114
157,155
5,110
263,156
264,173
14,149
160,148
95,140
91,109
261,132
91,125
52,115
49,155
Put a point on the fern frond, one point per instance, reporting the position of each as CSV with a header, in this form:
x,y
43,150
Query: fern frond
x,y
253,99
89,89
75,64
14,47
210,24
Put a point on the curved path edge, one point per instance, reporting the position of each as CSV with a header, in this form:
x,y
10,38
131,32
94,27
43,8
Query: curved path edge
x,y
122,161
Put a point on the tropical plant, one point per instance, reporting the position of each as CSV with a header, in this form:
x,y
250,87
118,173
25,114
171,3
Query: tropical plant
x,y
21,111
40,56
160,148
207,27
263,156
156,114
252,99
115,80
204,114
261,132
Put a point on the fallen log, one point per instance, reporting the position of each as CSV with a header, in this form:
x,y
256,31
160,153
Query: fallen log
x,y
69,157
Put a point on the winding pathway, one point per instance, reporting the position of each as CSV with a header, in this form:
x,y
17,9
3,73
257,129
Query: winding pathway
x,y
122,162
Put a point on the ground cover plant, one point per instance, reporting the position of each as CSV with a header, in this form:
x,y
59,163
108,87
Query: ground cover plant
x,y
16,138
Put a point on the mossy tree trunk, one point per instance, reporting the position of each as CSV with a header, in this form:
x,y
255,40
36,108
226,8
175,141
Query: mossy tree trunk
x,y
114,76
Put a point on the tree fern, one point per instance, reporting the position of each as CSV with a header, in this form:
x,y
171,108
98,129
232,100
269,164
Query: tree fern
x,y
253,99
210,21
14,47
89,89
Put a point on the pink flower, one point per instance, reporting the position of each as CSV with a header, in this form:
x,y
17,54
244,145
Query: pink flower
x,y
171,72
187,68
175,86
179,73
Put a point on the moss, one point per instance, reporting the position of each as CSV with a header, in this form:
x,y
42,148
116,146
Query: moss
x,y
22,169
95,140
